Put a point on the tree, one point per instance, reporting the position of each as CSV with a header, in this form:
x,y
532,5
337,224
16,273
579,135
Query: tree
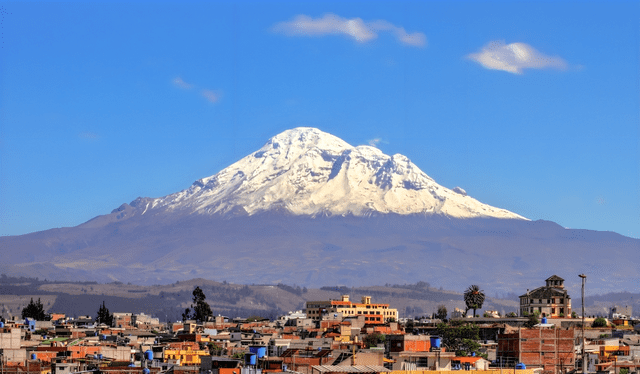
x,y
532,321
186,315
34,310
104,316
599,322
459,337
201,309
372,340
442,312
474,298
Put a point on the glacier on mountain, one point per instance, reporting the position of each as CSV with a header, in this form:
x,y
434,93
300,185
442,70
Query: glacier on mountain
x,y
305,171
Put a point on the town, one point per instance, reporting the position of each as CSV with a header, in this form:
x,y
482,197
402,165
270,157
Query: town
x,y
549,335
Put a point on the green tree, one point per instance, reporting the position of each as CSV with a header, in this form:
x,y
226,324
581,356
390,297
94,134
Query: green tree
x,y
186,315
474,298
532,321
201,309
459,337
372,340
34,310
442,312
104,316
599,322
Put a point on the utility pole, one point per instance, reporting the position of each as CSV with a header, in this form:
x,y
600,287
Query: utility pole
x,y
584,360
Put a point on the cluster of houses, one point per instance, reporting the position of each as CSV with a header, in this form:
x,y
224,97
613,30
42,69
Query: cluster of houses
x,y
332,336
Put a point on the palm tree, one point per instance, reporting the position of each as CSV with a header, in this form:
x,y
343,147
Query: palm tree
x,y
474,298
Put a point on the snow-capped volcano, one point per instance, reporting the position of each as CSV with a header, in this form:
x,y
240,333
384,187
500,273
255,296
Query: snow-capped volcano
x,y
305,171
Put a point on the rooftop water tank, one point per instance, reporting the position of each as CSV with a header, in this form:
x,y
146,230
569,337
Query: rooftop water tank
x,y
146,371
544,320
521,366
260,351
435,342
250,359
148,355
33,356
1,324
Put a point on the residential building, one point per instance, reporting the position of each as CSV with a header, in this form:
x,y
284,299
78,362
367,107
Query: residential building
x,y
373,313
551,300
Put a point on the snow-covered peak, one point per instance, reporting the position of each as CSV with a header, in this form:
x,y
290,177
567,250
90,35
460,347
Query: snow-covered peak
x,y
305,171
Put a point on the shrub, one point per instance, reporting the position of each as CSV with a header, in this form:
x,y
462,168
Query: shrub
x,y
599,322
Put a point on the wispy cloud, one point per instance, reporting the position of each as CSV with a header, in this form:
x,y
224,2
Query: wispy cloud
x,y
374,142
180,83
88,135
211,96
355,28
515,57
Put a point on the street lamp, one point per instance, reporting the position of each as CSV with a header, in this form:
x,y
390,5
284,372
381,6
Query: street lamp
x,y
584,363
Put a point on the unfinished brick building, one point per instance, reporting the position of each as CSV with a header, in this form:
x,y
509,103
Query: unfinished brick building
x,y
544,347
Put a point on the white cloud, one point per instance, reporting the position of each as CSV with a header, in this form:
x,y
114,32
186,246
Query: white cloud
x,y
180,83
355,28
374,142
212,96
514,58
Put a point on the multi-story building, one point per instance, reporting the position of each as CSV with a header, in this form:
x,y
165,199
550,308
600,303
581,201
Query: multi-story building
x,y
540,347
551,300
373,313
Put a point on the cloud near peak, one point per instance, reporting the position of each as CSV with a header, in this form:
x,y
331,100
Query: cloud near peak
x,y
355,28
514,58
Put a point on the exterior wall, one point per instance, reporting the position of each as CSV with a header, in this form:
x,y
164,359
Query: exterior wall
x,y
14,355
412,343
186,356
10,338
117,353
550,349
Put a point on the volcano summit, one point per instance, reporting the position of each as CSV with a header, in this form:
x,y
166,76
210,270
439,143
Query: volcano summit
x,y
309,209
305,171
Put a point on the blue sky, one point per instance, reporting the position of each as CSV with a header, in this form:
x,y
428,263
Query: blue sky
x,y
528,106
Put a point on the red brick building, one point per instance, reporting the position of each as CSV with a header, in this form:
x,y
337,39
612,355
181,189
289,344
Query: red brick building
x,y
547,348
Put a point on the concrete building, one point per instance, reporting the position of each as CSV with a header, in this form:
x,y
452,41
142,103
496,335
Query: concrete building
x,y
551,300
373,313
